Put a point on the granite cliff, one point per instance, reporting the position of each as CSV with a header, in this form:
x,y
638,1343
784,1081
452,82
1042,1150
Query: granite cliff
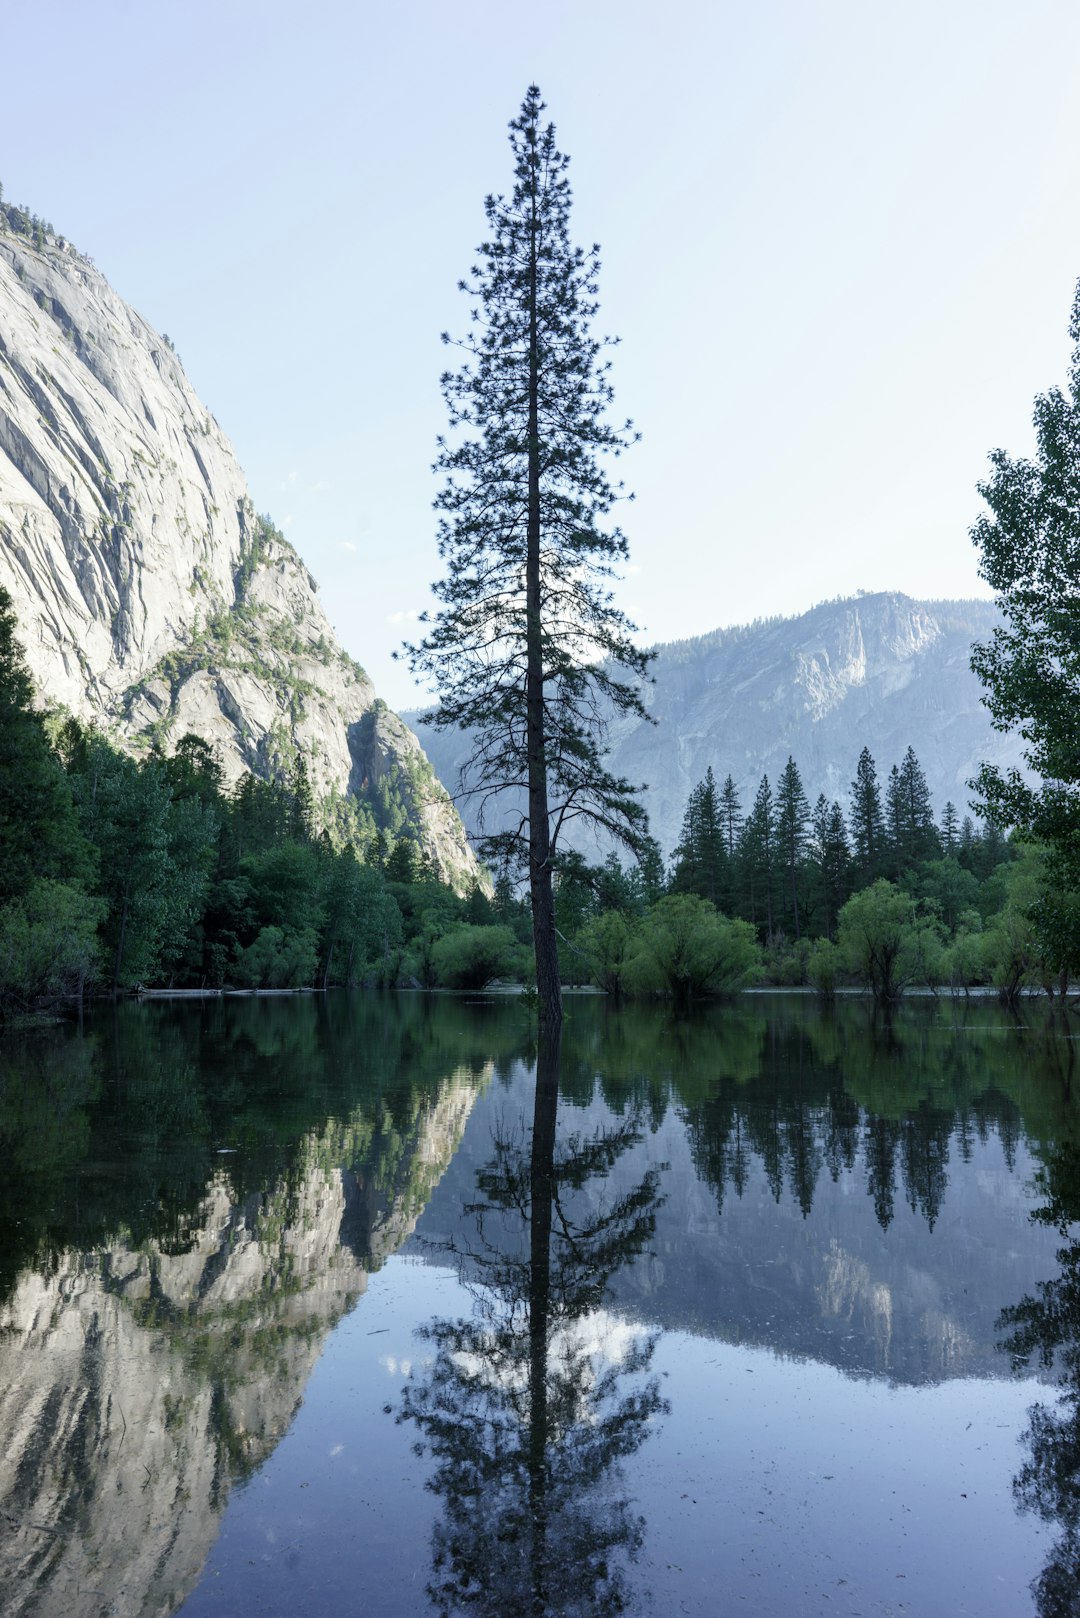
x,y
150,597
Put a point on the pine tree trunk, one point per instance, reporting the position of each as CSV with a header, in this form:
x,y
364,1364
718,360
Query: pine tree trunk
x,y
545,942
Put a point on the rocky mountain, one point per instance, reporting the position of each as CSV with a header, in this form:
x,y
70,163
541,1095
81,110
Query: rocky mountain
x,y
150,597
879,671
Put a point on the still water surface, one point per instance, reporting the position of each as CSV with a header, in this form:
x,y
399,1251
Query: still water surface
x,y
340,1305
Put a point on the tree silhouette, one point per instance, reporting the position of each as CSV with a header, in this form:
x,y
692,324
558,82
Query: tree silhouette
x,y
1046,1328
531,1402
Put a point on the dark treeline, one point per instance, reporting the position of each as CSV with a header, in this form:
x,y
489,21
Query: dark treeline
x,y
117,872
792,1091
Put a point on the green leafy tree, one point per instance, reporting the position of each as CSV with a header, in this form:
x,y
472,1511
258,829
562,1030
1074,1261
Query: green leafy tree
x,y
688,950
527,646
876,935
471,957
1029,544
607,943
39,829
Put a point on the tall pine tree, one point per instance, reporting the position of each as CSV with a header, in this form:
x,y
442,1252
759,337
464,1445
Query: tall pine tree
x,y
792,837
866,821
527,647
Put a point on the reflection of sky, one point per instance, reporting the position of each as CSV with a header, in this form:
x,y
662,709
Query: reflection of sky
x,y
784,1483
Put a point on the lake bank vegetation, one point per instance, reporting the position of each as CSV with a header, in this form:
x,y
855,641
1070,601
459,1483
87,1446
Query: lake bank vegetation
x,y
118,873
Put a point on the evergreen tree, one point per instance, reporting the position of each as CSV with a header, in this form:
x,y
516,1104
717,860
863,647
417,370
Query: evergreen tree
x,y
757,860
918,835
527,644
950,830
701,863
831,858
39,831
792,836
894,823
731,816
866,821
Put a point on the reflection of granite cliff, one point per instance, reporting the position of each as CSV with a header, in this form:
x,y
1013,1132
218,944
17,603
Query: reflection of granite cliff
x,y
137,1385
912,1304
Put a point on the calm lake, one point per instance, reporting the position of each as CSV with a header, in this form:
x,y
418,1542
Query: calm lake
x,y
330,1305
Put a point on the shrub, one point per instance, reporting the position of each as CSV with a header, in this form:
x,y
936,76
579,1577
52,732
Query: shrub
x,y
470,957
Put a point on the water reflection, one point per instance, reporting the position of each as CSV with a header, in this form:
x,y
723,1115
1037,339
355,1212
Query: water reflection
x,y
529,1404
193,1198
193,1203
1044,1328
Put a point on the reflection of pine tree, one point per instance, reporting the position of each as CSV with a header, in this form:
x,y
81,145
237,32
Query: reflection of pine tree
x,y
524,1408
1046,1328
882,1139
924,1159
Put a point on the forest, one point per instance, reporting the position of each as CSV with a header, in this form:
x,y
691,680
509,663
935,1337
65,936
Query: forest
x,y
120,873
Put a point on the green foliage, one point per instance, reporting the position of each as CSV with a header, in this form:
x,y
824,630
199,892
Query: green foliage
x,y
278,958
607,943
470,957
1030,554
878,939
48,945
688,950
823,967
39,829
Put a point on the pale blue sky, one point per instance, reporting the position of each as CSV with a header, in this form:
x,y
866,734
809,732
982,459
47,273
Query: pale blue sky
x,y
840,241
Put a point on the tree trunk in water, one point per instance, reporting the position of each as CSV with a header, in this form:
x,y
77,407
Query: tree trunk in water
x,y
541,1190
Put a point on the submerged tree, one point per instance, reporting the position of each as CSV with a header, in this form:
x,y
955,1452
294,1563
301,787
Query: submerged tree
x,y
527,649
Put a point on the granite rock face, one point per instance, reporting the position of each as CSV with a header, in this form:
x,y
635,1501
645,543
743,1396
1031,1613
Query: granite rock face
x,y
150,597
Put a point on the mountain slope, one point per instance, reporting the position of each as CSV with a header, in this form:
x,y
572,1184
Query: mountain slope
x,y
150,597
881,671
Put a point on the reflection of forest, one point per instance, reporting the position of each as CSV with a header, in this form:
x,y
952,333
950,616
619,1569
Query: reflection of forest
x,y
193,1195
194,1203
531,1403
814,1202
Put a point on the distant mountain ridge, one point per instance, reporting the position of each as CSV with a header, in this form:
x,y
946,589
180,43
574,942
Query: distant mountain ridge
x,y
877,670
150,597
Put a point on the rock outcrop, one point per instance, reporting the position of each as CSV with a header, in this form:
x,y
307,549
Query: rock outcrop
x,y
150,597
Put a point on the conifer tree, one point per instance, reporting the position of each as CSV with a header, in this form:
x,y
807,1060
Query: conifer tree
x,y
792,834
731,816
757,858
950,830
866,821
526,647
701,864
832,860
920,837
